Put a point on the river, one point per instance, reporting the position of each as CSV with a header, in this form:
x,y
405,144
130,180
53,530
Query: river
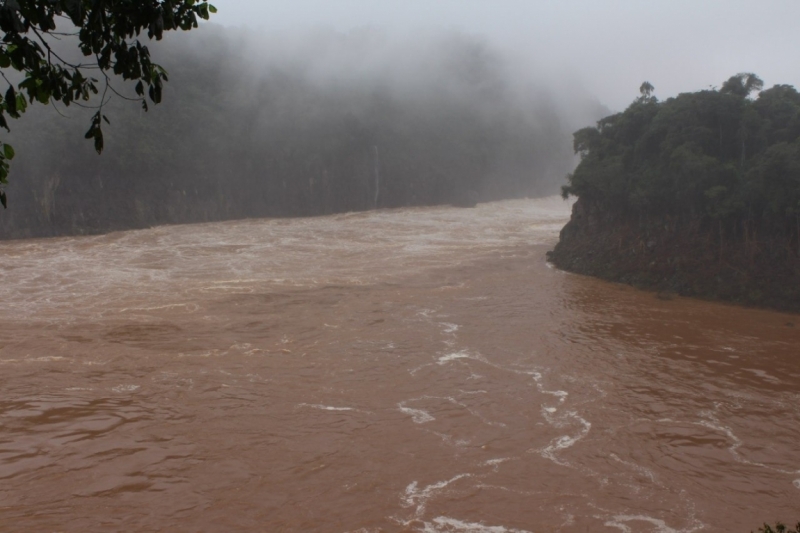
x,y
419,370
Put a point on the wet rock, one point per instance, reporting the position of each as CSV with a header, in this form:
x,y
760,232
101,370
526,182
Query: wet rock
x,y
684,261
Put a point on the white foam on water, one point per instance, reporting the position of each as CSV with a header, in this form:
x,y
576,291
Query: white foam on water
x,y
454,356
449,328
420,416
537,378
561,394
763,375
568,418
463,354
150,271
415,496
125,388
451,357
736,442
620,522
44,359
228,289
220,282
189,307
417,415
495,462
646,472
325,407
713,423
564,441
444,524
796,483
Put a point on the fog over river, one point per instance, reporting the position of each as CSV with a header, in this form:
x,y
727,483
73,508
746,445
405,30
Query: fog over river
x,y
420,369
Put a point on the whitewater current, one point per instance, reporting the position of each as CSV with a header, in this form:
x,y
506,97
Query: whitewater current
x,y
414,370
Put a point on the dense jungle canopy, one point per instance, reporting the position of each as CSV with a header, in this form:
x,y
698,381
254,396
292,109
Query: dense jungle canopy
x,y
717,157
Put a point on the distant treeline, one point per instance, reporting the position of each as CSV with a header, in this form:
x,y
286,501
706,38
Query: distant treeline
x,y
330,122
716,157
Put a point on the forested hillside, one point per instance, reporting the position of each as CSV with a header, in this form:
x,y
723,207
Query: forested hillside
x,y
294,126
699,194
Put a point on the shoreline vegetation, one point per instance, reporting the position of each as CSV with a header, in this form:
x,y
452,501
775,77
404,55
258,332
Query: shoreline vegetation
x,y
698,195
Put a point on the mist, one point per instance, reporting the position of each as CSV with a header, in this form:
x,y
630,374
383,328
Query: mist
x,y
609,47
302,123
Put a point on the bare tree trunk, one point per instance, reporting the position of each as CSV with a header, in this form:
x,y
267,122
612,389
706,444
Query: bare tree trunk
x,y
377,176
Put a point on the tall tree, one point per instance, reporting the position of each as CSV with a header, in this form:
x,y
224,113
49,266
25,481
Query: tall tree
x,y
105,31
742,84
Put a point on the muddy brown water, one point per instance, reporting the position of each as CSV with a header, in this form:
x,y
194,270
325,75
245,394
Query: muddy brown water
x,y
410,370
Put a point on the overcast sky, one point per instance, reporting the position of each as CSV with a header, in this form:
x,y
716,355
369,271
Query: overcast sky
x,y
608,46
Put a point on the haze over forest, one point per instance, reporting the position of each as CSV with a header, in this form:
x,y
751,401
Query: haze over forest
x,y
300,123
314,107
608,47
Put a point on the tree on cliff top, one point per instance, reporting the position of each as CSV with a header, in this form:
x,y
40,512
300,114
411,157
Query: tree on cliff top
x,y
107,32
718,158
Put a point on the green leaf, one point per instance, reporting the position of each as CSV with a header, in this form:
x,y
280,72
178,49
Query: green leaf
x,y
8,151
98,141
11,102
212,9
3,199
42,95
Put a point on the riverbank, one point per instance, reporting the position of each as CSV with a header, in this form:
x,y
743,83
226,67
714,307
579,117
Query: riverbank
x,y
674,256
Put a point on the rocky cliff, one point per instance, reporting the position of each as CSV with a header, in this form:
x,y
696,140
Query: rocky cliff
x,y
673,255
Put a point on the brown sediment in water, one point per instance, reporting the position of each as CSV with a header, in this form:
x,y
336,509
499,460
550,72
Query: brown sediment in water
x,y
414,370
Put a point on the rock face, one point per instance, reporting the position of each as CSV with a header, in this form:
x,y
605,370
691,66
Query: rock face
x,y
679,256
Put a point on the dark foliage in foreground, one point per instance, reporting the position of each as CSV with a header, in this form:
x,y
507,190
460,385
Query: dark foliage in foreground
x,y
779,528
35,54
